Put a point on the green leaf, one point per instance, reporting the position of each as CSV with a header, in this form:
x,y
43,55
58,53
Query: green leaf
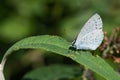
x,y
60,46
54,72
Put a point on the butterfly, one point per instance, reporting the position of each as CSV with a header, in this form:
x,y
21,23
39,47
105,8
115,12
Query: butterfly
x,y
90,36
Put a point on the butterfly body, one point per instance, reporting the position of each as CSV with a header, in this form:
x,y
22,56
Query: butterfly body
x,y
91,35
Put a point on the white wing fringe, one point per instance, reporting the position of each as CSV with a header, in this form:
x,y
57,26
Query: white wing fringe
x,y
1,73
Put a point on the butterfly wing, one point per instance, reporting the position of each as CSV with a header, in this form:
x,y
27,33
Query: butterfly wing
x,y
94,23
91,40
91,35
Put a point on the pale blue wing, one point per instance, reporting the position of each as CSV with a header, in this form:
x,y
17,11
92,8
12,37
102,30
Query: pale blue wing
x,y
90,41
94,23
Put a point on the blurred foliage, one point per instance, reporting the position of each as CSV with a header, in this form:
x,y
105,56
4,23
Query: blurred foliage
x,y
23,18
54,72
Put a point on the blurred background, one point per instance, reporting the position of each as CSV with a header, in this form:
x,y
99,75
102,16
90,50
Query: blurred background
x,y
24,18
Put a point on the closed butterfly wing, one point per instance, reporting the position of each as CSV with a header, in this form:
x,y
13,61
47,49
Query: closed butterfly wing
x,y
90,41
91,35
94,23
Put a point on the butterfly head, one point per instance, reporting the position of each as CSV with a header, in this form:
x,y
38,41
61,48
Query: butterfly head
x,y
73,47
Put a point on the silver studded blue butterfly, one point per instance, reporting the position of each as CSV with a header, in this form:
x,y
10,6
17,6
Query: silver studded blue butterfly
x,y
91,35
